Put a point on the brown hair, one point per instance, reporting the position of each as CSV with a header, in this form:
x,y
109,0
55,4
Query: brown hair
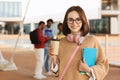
x,y
41,22
85,27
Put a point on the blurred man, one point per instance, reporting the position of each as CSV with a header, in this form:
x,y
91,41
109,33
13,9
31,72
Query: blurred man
x,y
48,32
39,51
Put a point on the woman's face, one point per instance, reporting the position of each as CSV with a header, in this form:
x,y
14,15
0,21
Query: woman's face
x,y
74,22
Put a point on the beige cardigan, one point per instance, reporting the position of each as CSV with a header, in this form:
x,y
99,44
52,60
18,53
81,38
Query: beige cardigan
x,y
65,51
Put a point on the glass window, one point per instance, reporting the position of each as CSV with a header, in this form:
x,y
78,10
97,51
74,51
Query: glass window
x,y
12,28
109,4
16,28
26,28
36,25
101,26
10,9
106,4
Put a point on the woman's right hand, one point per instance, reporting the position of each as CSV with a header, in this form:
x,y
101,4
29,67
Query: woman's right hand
x,y
50,50
52,56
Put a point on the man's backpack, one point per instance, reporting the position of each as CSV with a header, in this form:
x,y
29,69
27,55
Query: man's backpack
x,y
34,37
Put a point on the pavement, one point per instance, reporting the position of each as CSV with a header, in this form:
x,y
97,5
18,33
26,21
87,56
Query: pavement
x,y
25,62
24,59
115,63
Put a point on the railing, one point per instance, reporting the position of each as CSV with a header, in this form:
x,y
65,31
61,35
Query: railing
x,y
109,43
111,46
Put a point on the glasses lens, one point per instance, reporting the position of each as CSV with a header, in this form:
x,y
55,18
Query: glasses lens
x,y
70,20
78,20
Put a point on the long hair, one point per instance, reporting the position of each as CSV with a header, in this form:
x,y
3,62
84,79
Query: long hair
x,y
84,29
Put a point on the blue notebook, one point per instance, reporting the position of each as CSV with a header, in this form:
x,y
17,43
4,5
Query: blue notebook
x,y
89,56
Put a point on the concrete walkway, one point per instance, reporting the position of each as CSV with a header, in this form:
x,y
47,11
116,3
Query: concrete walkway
x,y
25,61
115,63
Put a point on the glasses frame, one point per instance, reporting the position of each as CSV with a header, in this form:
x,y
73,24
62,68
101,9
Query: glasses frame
x,y
71,20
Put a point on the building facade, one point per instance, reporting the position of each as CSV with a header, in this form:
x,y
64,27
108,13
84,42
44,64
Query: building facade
x,y
110,18
10,17
109,23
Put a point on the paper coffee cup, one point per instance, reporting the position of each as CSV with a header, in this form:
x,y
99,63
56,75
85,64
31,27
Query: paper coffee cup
x,y
55,45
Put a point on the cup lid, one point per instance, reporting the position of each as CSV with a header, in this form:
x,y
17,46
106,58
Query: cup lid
x,y
55,40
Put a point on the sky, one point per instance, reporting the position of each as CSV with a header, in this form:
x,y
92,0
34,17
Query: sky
x,y
59,7
56,8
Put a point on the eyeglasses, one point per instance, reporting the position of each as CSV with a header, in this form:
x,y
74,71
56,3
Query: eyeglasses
x,y
77,20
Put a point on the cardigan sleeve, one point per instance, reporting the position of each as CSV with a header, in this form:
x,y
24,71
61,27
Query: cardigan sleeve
x,y
102,67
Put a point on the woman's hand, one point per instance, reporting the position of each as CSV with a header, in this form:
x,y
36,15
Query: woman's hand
x,y
84,67
50,50
52,56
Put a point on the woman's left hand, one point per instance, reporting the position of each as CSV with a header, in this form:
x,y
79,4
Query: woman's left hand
x,y
84,67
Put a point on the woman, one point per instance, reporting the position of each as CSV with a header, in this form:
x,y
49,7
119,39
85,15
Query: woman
x,y
75,26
